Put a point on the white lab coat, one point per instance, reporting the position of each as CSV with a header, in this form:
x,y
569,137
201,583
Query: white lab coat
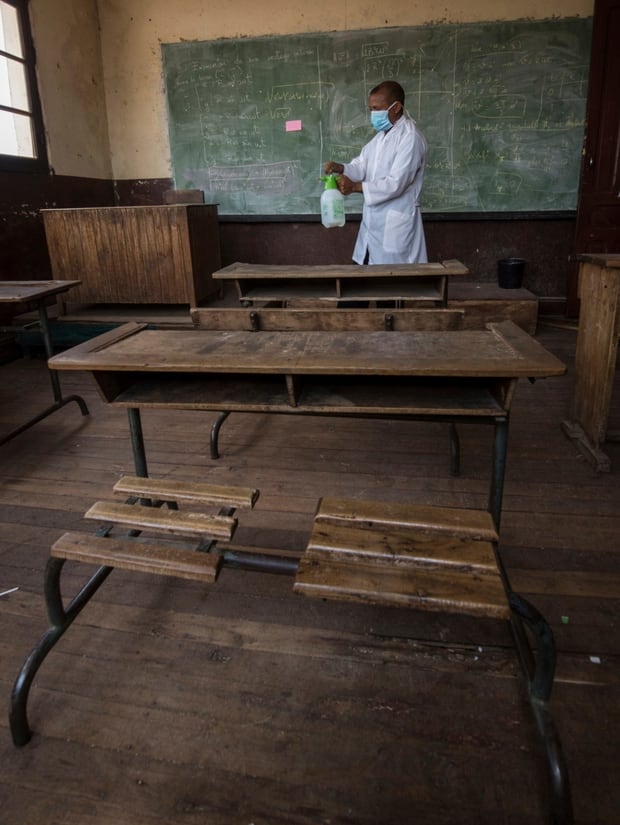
x,y
391,168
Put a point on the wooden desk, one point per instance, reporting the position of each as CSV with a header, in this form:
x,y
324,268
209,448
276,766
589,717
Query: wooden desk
x,y
446,375
37,293
426,283
136,254
595,356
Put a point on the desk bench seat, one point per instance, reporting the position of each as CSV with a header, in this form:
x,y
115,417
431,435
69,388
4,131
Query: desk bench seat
x,y
430,558
141,557
399,555
435,559
144,512
176,490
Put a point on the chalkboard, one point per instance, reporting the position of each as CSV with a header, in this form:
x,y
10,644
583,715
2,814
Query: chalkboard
x,y
502,105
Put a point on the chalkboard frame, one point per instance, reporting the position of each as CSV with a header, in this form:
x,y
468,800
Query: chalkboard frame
x,y
545,52
429,217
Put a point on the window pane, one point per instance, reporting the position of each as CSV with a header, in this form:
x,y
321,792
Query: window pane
x,y
16,135
13,84
10,39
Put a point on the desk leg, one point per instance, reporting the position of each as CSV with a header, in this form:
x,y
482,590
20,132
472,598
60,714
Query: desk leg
x,y
60,620
539,671
137,442
500,449
59,400
215,432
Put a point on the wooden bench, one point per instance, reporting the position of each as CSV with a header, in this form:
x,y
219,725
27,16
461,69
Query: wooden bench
x,y
438,559
158,538
424,283
431,558
144,513
329,320
395,555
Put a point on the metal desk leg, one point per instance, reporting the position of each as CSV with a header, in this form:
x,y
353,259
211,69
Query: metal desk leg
x,y
500,449
215,432
60,619
539,673
137,442
59,400
455,451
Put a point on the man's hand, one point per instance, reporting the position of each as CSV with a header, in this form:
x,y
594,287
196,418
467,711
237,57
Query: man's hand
x,y
347,186
333,168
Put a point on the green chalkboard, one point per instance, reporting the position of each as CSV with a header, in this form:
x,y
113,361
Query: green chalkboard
x,y
502,105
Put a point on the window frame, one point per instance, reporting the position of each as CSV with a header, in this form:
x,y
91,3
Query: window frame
x,y
15,163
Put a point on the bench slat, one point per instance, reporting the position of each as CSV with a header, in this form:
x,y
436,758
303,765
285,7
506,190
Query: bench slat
x,y
163,520
133,554
387,586
406,548
187,491
475,524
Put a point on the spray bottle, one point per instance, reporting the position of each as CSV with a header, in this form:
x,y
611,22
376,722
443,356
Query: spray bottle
x,y
332,203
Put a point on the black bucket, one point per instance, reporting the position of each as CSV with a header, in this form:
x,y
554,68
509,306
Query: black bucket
x,y
510,273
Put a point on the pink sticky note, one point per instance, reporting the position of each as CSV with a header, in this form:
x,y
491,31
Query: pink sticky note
x,y
293,125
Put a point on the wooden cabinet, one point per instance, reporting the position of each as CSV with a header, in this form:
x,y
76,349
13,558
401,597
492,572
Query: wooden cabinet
x,y
136,254
598,211
595,357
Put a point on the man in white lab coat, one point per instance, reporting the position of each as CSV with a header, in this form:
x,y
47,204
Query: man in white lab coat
x,y
389,172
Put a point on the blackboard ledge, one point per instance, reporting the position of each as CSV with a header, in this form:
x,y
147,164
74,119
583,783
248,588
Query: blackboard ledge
x,y
428,217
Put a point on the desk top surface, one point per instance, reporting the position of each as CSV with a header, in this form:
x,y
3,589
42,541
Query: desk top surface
x,y
12,292
273,272
502,350
610,261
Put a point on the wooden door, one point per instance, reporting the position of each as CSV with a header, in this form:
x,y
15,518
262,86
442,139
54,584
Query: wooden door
x,y
598,213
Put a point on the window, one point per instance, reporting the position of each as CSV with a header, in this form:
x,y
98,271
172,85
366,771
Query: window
x,y
22,143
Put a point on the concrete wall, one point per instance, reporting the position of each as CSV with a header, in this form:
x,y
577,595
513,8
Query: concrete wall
x,y
70,79
100,61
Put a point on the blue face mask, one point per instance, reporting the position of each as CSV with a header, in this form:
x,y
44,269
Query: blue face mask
x,y
380,119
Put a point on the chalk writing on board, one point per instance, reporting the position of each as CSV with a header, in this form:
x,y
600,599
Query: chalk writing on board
x,y
269,179
502,106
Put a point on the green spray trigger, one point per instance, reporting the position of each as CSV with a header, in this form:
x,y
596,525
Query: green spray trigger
x,y
330,180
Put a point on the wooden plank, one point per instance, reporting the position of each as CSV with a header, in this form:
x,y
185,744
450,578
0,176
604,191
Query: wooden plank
x,y
107,339
597,349
236,497
422,282
475,524
328,319
331,271
377,397
136,555
163,520
404,548
317,292
566,583
611,261
434,590
478,313
502,351
26,291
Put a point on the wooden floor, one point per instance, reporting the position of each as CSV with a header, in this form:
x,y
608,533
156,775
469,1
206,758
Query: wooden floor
x,y
243,704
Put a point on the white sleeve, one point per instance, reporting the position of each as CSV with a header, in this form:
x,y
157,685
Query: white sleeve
x,y
356,169
408,157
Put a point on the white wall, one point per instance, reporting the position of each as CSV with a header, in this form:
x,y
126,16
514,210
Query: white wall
x,y
132,32
70,80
